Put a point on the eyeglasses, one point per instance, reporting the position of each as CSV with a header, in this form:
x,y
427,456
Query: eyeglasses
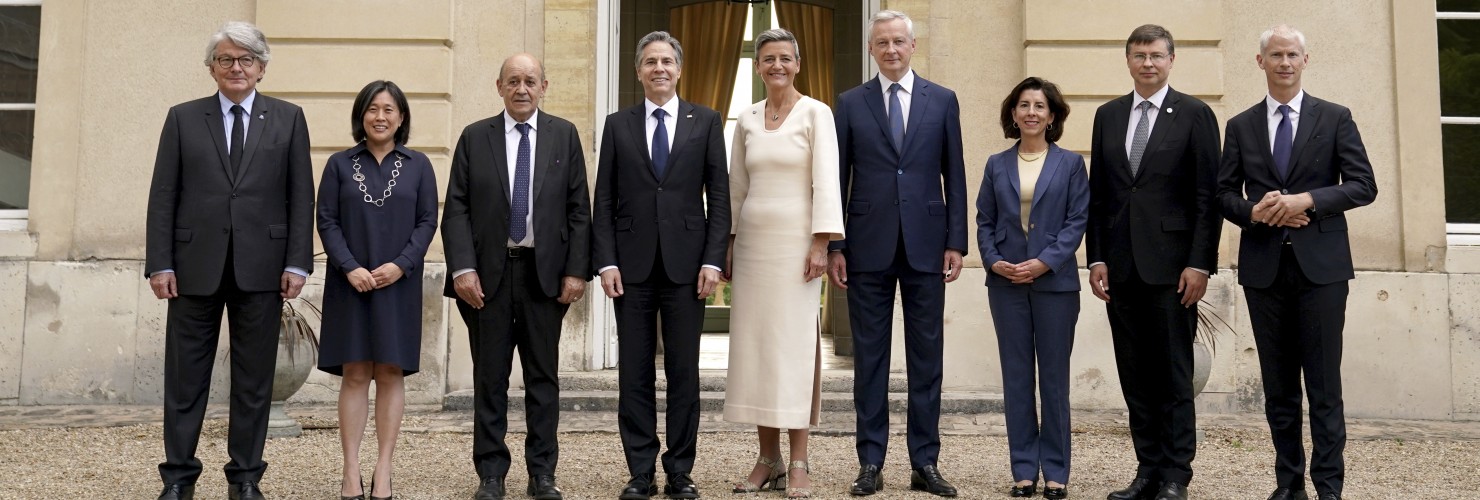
x,y
225,62
1156,57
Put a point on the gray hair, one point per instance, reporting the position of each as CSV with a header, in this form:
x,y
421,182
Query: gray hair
x,y
885,16
659,36
778,35
244,35
1283,30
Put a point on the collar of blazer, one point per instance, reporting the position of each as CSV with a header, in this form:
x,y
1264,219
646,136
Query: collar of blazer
x,y
919,107
1166,119
542,146
260,125
1310,118
1050,169
683,129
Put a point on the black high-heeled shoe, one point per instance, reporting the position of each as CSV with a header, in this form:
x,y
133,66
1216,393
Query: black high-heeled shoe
x,y
360,496
373,497
1023,491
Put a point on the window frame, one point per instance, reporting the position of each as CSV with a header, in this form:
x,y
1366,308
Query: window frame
x,y
1460,233
15,219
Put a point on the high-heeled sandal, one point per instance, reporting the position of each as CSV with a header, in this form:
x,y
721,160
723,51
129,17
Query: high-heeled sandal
x,y
360,496
775,480
805,492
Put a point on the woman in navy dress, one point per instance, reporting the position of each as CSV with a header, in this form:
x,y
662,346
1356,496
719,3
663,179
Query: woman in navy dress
x,y
377,212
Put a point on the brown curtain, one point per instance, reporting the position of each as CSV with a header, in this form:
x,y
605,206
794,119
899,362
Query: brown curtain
x,y
813,26
711,34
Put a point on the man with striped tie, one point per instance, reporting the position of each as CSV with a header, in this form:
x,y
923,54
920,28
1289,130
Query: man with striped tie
x,y
1152,242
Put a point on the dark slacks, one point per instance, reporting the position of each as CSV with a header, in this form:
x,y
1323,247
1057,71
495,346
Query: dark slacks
x,y
682,316
1298,331
517,316
871,314
1035,330
1153,333
192,332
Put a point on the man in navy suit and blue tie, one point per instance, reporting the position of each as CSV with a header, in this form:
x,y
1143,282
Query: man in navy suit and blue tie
x,y
904,193
1292,166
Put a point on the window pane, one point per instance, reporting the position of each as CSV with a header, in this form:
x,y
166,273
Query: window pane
x,y
15,158
1459,67
20,33
1462,173
1458,5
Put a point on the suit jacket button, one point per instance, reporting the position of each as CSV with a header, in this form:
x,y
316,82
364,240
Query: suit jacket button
x,y
1135,189
899,172
660,190
1031,225
233,196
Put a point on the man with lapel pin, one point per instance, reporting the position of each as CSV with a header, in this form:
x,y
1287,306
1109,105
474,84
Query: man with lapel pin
x,y
1292,166
662,169
516,231
1152,243
230,227
904,194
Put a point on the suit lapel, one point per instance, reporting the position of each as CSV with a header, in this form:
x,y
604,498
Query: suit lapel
x,y
683,129
875,102
1014,178
1165,120
1120,115
500,155
1050,168
1259,128
543,137
217,128
1310,118
637,131
919,106
260,124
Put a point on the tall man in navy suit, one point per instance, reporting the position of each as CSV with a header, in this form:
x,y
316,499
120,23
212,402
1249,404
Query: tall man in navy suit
x,y
660,228
904,193
1152,242
1292,166
230,227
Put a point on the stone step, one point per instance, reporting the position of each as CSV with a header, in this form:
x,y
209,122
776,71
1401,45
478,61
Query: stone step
x,y
952,402
712,380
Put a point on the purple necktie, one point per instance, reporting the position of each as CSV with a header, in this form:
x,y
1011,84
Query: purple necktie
x,y
1282,143
517,227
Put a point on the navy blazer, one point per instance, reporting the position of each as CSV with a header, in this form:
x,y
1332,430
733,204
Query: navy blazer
x,y
1327,160
1056,222
919,191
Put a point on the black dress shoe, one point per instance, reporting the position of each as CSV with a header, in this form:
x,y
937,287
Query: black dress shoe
x,y
542,487
1171,490
1140,489
928,479
244,491
177,492
1287,494
870,480
1023,491
1058,493
491,488
680,485
640,487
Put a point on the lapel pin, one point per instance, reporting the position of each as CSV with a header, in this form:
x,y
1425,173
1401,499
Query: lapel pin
x,y
1169,110
688,116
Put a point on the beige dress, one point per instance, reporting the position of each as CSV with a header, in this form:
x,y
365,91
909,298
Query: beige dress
x,y
783,189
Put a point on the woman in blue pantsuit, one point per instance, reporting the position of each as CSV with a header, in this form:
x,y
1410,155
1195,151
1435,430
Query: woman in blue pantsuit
x,y
1031,215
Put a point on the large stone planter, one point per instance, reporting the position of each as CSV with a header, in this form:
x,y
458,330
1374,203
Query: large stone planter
x,y
1202,367
298,352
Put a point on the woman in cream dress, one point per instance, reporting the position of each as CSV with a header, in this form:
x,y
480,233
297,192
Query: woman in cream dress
x,y
785,207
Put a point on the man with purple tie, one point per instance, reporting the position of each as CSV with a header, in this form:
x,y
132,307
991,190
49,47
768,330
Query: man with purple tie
x,y
1292,166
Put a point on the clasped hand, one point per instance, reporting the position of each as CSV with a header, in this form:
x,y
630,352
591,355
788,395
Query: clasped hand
x,y
1282,210
1021,273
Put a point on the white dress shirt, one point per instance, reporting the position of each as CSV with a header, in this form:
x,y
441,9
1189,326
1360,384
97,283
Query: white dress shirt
x,y
511,151
1273,107
906,92
1156,99
228,118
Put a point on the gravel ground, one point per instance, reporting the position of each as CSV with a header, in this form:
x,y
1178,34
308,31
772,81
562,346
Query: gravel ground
x,y
1232,463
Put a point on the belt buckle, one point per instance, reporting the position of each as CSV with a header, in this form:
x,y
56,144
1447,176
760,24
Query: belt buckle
x,y
514,252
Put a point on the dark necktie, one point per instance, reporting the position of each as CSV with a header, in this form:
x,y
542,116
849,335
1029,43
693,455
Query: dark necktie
x,y
1282,143
896,118
238,134
517,227
660,145
1138,141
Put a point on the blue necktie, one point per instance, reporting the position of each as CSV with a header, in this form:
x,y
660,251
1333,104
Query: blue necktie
x,y
517,228
660,145
896,118
1282,143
